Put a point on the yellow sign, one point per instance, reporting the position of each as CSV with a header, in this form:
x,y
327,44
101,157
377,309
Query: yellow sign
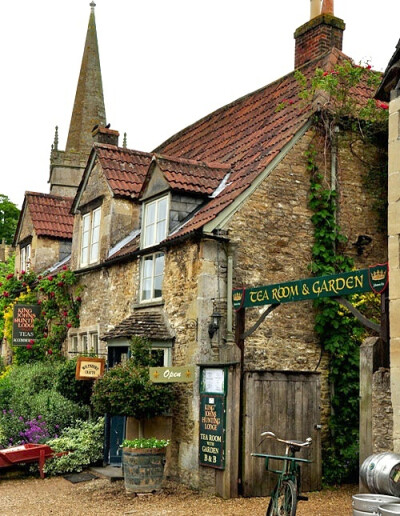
x,y
177,374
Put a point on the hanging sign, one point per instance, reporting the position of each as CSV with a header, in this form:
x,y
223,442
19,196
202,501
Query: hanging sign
x,y
374,279
89,368
176,374
23,322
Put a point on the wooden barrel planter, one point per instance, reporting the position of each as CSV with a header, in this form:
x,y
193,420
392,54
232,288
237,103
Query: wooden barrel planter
x,y
143,469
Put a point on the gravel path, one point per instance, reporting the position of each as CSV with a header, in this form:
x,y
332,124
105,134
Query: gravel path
x,y
57,496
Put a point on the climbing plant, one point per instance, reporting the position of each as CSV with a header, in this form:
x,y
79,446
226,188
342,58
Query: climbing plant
x,y
340,333
58,296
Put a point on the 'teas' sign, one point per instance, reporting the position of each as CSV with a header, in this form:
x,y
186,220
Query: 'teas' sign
x,y
23,322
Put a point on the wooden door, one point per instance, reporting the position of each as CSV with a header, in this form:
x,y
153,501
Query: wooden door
x,y
288,404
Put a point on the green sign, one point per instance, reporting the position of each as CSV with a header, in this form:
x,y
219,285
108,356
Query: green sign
x,y
23,320
182,374
212,431
364,280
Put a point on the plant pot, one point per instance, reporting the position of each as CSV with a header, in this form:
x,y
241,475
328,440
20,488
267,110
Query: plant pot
x,y
143,469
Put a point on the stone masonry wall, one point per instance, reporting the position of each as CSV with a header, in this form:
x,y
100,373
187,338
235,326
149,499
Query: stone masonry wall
x,y
382,412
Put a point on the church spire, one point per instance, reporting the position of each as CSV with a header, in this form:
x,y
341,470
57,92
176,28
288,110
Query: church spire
x,y
89,107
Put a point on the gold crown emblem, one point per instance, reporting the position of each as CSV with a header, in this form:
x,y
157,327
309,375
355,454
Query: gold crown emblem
x,y
237,296
378,275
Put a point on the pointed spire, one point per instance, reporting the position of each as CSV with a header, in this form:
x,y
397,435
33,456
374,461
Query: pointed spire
x,y
89,107
55,143
124,143
327,7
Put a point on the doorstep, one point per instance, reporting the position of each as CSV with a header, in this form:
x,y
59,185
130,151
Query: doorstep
x,y
111,473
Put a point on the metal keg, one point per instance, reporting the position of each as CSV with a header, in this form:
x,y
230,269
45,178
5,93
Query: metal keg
x,y
380,473
367,503
389,509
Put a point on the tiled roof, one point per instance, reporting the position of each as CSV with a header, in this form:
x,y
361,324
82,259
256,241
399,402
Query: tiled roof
x,y
126,171
248,134
50,214
149,324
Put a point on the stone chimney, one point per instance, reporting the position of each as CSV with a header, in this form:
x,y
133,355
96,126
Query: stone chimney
x,y
105,135
323,32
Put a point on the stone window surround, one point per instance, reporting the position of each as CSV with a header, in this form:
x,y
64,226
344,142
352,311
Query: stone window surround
x,y
77,338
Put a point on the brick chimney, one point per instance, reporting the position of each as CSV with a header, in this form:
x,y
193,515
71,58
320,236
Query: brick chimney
x,y
105,135
319,35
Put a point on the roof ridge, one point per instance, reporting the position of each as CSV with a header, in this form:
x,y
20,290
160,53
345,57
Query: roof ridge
x,y
48,195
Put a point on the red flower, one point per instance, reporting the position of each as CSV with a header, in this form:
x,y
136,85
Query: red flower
x,y
50,351
369,67
22,273
39,277
24,284
9,276
65,313
31,341
39,302
28,346
50,278
1,284
79,299
325,74
65,268
45,335
60,284
52,294
43,313
6,294
69,325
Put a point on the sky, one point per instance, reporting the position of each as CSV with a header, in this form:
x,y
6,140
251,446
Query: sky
x,y
165,64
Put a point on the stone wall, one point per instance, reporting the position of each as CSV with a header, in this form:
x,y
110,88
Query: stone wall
x,y
382,412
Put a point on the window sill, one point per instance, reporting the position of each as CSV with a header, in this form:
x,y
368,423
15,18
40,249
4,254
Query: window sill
x,y
146,304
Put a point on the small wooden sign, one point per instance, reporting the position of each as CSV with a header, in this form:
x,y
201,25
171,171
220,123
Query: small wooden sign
x,y
182,374
88,368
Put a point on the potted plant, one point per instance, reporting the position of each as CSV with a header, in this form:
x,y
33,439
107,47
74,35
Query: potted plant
x,y
126,390
143,462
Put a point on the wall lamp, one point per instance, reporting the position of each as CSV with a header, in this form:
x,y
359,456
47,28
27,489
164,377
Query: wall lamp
x,y
214,324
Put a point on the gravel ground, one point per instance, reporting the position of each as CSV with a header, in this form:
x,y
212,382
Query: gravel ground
x,y
57,496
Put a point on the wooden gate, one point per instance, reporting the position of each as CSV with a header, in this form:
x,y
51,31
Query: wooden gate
x,y
288,404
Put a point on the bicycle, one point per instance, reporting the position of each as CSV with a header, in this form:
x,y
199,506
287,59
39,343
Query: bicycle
x,y
286,492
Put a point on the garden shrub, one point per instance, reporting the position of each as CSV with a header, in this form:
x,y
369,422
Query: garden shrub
x,y
15,430
85,444
29,379
78,391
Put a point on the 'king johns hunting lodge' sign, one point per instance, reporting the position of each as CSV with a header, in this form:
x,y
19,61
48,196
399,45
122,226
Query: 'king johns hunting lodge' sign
x,y
373,279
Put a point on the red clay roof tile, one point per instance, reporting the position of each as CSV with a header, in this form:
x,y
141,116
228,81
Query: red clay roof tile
x,y
50,214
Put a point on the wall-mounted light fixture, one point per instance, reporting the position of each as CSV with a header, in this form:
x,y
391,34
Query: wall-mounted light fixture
x,y
214,324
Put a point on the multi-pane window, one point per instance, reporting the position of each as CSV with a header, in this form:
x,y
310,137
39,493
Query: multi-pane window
x,y
25,255
155,219
94,343
74,343
152,277
84,343
90,237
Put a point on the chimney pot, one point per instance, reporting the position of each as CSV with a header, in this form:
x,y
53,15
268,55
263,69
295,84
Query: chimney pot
x,y
315,8
105,135
327,7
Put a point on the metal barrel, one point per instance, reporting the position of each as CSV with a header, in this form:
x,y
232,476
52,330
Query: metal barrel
x,y
368,503
389,509
380,473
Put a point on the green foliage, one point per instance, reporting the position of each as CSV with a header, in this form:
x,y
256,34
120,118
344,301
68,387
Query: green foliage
x,y
126,389
60,303
84,443
152,442
66,384
9,214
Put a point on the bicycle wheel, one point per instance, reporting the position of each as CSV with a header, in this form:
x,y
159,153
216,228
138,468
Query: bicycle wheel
x,y
283,502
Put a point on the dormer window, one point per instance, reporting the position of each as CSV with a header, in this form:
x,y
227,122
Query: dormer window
x,y
90,241
155,222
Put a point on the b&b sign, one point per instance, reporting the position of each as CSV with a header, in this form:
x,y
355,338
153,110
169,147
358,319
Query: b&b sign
x,y
373,279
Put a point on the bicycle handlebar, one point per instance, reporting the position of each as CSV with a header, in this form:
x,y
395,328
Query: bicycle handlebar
x,y
271,435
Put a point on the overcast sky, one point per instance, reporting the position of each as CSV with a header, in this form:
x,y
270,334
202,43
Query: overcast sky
x,y
165,64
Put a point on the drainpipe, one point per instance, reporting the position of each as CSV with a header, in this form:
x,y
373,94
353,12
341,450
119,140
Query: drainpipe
x,y
334,162
229,296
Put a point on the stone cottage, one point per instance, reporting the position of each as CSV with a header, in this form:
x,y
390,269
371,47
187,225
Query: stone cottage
x,y
160,239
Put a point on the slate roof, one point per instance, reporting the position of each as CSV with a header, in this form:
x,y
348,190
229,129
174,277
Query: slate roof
x,y
249,133
50,215
149,324
126,171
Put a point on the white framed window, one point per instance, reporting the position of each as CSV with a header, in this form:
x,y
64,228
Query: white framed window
x,y
151,278
84,343
90,237
162,355
74,344
155,221
25,257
